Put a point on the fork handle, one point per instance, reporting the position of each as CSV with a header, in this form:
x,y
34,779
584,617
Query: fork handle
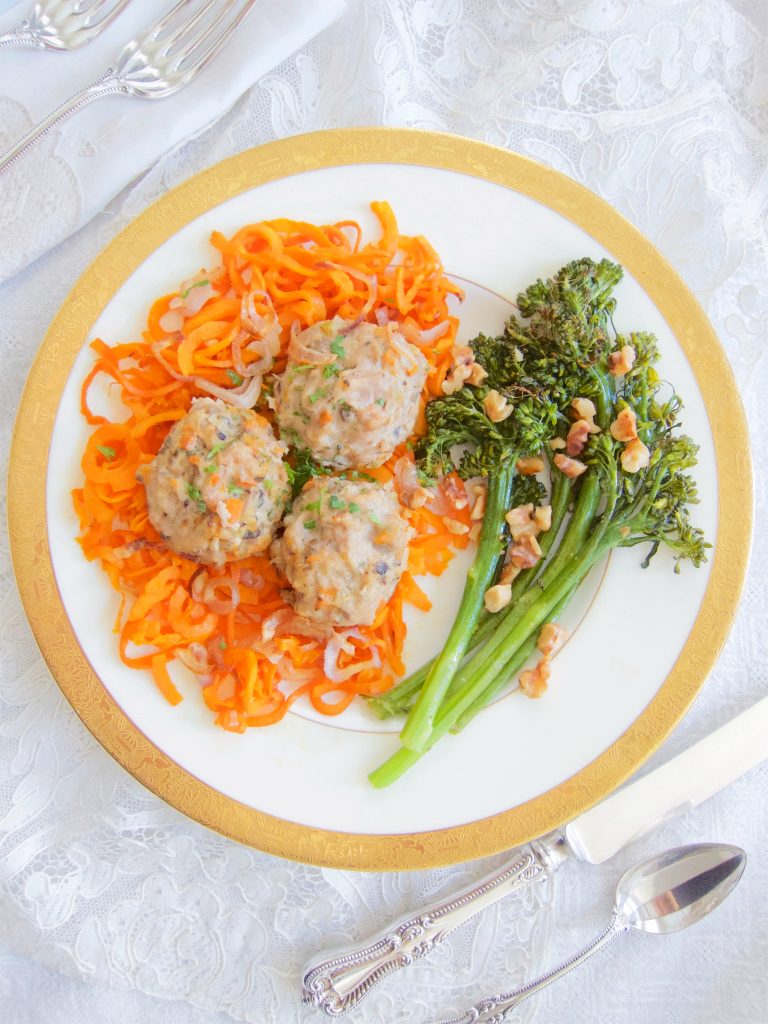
x,y
108,84
21,36
337,984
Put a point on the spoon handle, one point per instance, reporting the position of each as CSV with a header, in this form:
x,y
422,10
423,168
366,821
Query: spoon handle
x,y
494,1009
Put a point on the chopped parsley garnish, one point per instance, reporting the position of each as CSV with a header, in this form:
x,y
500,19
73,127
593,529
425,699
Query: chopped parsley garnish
x,y
210,468
223,644
313,506
375,519
219,447
197,284
290,473
354,507
310,524
302,415
335,502
302,368
317,395
196,496
343,406
106,451
381,401
267,485
337,346
234,377
332,370
235,491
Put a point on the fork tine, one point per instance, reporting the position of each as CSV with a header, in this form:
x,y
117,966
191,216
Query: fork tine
x,y
102,12
167,20
187,26
202,58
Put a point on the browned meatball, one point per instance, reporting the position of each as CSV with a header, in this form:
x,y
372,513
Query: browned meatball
x,y
344,549
350,394
217,488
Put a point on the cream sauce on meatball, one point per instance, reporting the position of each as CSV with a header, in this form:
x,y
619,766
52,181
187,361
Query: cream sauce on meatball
x,y
217,488
344,550
350,394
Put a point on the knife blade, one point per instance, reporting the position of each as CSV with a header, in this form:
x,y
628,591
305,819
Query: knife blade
x,y
339,982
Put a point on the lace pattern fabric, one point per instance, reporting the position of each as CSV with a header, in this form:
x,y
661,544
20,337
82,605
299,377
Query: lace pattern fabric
x,y
662,108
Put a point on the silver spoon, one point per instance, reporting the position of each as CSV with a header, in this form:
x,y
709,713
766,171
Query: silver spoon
x,y
663,894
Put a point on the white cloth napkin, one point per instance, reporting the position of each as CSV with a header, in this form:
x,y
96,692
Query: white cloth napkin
x,y
75,170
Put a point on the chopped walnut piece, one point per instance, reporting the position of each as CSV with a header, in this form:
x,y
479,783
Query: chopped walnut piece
x,y
455,492
463,360
556,442
578,436
478,375
496,407
498,597
454,526
621,362
533,682
478,509
584,409
551,638
571,467
530,467
474,531
509,573
635,456
416,498
624,427
526,552
520,521
542,517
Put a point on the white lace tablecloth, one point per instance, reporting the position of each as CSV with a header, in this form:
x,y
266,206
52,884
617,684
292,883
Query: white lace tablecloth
x,y
113,907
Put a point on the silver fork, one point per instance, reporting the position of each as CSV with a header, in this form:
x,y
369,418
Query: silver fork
x,y
63,24
159,62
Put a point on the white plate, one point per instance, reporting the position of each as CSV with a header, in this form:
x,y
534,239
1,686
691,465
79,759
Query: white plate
x,y
310,771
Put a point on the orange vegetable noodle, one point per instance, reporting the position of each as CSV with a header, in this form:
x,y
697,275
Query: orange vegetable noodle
x,y
254,657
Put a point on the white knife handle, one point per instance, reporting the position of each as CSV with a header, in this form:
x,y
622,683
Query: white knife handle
x,y
682,783
337,984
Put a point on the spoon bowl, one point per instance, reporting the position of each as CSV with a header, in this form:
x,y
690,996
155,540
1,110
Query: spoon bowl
x,y
678,888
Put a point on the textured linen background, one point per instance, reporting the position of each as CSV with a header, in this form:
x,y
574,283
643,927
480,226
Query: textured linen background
x,y
661,108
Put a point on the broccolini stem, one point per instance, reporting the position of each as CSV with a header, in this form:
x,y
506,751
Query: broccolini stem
x,y
517,662
417,728
535,615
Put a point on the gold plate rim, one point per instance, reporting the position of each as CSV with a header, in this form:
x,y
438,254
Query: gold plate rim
x,y
27,507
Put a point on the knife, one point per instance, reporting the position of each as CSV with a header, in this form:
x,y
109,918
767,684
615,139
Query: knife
x,y
337,984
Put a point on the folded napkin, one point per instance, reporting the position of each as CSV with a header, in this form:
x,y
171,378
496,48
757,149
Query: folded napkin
x,y
75,170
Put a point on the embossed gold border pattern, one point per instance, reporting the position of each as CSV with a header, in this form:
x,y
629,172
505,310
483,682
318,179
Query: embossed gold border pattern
x,y
27,512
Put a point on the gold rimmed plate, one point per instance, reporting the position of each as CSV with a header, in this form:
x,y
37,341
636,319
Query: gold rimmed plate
x,y
646,638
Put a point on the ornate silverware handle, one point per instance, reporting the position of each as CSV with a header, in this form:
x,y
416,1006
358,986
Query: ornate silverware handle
x,y
494,1009
108,85
338,984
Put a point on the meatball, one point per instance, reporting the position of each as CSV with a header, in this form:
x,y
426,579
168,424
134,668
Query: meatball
x,y
350,394
217,488
344,549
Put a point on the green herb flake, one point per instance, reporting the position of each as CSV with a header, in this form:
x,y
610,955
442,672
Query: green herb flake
x,y
290,473
107,452
313,506
218,447
235,491
197,284
267,485
317,395
210,468
196,496
335,502
337,347
381,401
354,508
310,524
234,377
332,370
223,644
375,519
